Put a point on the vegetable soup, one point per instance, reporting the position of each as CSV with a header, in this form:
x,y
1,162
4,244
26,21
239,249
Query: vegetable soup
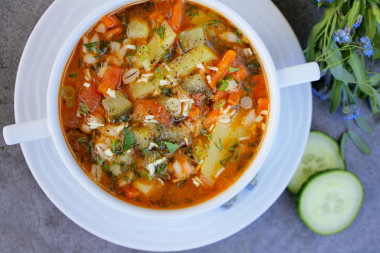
x,y
164,104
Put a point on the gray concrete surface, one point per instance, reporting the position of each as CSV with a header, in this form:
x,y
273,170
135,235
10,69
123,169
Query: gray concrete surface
x,y
29,222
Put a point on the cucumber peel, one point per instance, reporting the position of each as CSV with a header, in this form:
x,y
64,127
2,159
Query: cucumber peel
x,y
330,200
321,153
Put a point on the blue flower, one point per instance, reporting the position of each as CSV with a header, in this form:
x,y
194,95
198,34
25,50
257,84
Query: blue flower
x,y
358,22
330,1
342,36
350,111
367,44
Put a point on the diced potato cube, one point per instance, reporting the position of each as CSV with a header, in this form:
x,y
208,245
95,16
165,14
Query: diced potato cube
x,y
188,62
139,90
191,38
138,29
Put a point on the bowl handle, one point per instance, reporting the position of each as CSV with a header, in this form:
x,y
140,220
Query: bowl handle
x,y
24,132
298,74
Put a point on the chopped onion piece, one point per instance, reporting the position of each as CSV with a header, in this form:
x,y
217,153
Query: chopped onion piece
x,y
101,28
152,145
87,85
151,166
149,117
244,138
224,119
263,126
246,103
200,66
166,66
108,152
232,85
212,68
208,77
164,82
248,52
132,47
90,59
264,112
195,182
94,38
87,75
111,93
259,118
219,172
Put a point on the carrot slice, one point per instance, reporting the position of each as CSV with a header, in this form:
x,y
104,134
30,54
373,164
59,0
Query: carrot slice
x,y
240,74
151,107
113,32
222,66
111,21
259,89
212,117
110,80
219,95
262,104
234,97
176,17
194,112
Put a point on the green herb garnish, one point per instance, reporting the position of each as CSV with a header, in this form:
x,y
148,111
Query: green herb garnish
x,y
83,109
224,161
192,11
90,46
117,147
213,23
73,75
171,146
220,104
219,145
205,133
129,139
232,69
222,85
160,31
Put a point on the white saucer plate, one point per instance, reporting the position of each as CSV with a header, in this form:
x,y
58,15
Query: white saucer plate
x,y
158,235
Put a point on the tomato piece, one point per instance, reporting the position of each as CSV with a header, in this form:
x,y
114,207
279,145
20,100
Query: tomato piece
x,y
151,107
90,96
111,79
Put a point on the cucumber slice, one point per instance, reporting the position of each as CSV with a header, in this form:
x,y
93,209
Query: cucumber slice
x,y
330,200
321,153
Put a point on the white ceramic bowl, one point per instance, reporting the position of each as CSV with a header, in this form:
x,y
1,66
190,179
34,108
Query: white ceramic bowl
x,y
50,127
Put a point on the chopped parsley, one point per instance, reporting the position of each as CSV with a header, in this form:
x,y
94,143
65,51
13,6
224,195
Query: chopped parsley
x,y
73,75
171,146
232,69
90,46
129,139
160,31
83,109
219,145
192,11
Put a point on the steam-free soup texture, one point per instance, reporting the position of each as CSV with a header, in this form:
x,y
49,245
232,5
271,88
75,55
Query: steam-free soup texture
x,y
164,104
